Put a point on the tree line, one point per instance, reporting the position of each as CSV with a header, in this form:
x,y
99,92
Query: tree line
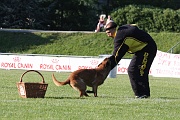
x,y
65,14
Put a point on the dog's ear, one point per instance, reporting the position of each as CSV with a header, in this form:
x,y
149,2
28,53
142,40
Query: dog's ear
x,y
105,62
99,64
105,59
108,62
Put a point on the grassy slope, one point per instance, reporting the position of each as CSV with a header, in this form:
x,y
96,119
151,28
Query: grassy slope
x,y
92,44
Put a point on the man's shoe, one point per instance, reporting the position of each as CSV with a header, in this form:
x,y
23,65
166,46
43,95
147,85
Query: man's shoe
x,y
142,97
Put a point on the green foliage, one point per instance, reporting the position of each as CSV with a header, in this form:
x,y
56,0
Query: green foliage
x,y
22,14
173,4
47,14
82,44
115,100
148,18
83,14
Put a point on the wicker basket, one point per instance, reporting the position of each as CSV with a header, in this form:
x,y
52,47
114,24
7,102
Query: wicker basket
x,y
32,90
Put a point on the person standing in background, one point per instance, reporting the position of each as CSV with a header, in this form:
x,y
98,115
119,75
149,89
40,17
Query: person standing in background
x,y
101,24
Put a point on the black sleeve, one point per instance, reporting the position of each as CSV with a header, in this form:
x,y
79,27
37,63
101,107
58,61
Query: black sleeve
x,y
119,40
120,48
115,58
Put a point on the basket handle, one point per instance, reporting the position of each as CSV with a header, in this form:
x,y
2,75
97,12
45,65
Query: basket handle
x,y
32,71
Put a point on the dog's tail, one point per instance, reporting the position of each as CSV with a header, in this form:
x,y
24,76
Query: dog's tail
x,y
58,83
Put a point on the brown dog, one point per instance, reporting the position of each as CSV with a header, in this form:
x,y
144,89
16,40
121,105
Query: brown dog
x,y
82,78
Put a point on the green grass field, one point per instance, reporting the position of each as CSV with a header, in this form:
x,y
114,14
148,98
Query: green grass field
x,y
115,100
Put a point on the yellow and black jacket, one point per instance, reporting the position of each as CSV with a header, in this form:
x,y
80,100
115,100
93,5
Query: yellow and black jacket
x,y
129,38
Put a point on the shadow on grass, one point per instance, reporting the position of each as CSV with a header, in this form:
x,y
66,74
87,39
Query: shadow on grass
x,y
81,97
170,98
23,41
65,97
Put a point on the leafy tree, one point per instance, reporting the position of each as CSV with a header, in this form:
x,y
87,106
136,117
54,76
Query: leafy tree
x,y
48,14
148,18
22,14
74,14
